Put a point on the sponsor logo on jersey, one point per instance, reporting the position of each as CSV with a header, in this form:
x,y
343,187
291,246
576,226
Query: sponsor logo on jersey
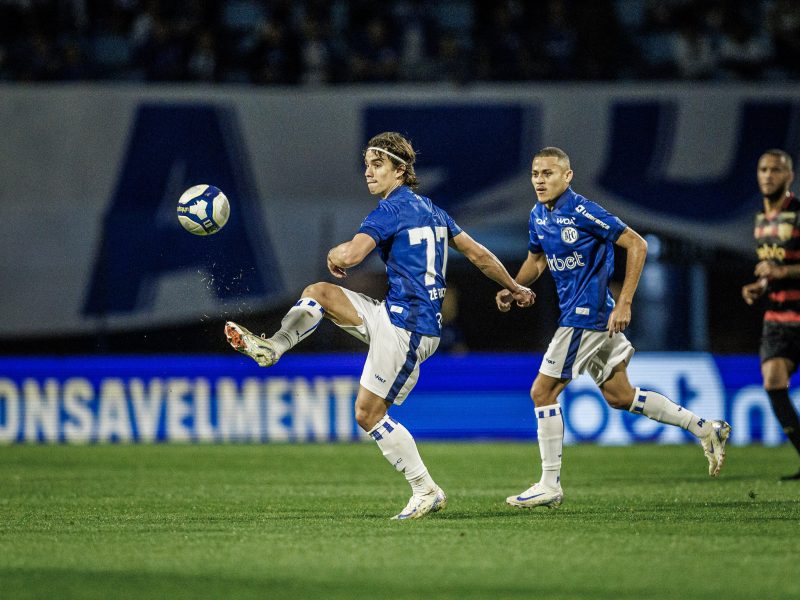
x,y
573,261
773,252
582,210
569,235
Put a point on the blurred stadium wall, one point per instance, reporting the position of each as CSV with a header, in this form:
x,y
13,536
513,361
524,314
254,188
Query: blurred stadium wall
x,y
94,261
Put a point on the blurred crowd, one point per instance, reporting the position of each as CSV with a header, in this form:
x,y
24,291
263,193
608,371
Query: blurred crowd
x,y
315,42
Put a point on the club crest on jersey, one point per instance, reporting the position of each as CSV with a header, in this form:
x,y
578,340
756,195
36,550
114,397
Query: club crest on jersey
x,y
569,235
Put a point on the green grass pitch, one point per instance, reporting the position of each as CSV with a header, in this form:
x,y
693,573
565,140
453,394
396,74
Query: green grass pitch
x,y
312,521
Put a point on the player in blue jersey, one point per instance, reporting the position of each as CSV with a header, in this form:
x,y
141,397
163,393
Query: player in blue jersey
x,y
574,238
412,236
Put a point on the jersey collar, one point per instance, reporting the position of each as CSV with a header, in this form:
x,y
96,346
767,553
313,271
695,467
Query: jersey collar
x,y
395,192
564,198
784,205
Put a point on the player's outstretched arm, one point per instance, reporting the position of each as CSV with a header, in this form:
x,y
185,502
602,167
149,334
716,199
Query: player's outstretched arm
x,y
530,271
349,254
636,250
490,265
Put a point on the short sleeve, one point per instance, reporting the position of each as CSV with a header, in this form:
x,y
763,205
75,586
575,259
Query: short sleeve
x,y
599,222
534,247
452,227
381,224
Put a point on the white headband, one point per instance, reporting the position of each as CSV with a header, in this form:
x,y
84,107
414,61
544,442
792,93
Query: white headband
x,y
394,156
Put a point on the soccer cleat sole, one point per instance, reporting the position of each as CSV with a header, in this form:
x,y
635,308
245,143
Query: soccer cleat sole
x,y
234,337
714,446
439,504
236,334
722,436
516,503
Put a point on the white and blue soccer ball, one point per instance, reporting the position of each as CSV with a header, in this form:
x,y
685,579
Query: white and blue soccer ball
x,y
203,209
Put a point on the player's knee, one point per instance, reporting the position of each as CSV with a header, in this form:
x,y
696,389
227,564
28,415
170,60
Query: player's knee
x,y
366,419
775,383
775,379
542,396
319,291
363,419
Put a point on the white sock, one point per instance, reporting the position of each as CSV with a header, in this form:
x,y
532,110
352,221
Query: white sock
x,y
551,441
300,322
660,408
400,450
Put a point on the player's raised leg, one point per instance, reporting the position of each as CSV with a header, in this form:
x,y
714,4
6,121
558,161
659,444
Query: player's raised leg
x,y
550,422
713,435
317,301
400,449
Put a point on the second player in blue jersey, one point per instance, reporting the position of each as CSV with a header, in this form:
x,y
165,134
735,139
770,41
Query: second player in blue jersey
x,y
577,238
574,239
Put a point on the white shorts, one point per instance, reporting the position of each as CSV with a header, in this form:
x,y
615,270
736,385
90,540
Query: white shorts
x,y
573,351
392,367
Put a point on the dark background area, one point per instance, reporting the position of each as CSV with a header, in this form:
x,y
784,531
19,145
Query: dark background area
x,y
317,42
314,43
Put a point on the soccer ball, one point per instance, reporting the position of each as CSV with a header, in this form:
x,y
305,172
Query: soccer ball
x,y
203,210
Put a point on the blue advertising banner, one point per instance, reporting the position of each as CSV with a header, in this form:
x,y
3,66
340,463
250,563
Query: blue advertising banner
x,y
309,398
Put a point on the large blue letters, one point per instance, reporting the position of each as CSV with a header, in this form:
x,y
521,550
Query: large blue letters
x,y
642,141
174,146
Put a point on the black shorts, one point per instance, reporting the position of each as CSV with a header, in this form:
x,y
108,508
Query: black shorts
x,y
780,341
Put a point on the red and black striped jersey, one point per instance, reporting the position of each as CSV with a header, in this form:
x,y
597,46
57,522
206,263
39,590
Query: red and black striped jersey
x,y
778,240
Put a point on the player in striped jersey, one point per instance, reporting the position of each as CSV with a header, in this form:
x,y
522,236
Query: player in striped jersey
x,y
777,234
412,236
574,239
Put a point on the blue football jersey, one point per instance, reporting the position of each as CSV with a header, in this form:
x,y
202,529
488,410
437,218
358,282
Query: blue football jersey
x,y
412,235
577,238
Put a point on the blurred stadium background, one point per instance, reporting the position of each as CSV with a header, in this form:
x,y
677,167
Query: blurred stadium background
x,y
112,315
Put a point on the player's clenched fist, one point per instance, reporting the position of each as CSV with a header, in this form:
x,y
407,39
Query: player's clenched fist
x,y
523,297
335,269
753,291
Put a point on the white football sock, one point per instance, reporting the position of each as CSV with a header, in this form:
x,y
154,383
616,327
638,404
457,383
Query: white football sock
x,y
300,322
660,408
551,441
400,450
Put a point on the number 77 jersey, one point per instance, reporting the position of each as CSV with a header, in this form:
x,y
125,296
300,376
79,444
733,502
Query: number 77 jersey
x,y
412,235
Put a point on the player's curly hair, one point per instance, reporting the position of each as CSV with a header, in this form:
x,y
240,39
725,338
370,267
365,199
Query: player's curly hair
x,y
396,144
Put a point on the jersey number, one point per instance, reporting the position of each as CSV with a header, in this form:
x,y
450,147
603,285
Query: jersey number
x,y
430,235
